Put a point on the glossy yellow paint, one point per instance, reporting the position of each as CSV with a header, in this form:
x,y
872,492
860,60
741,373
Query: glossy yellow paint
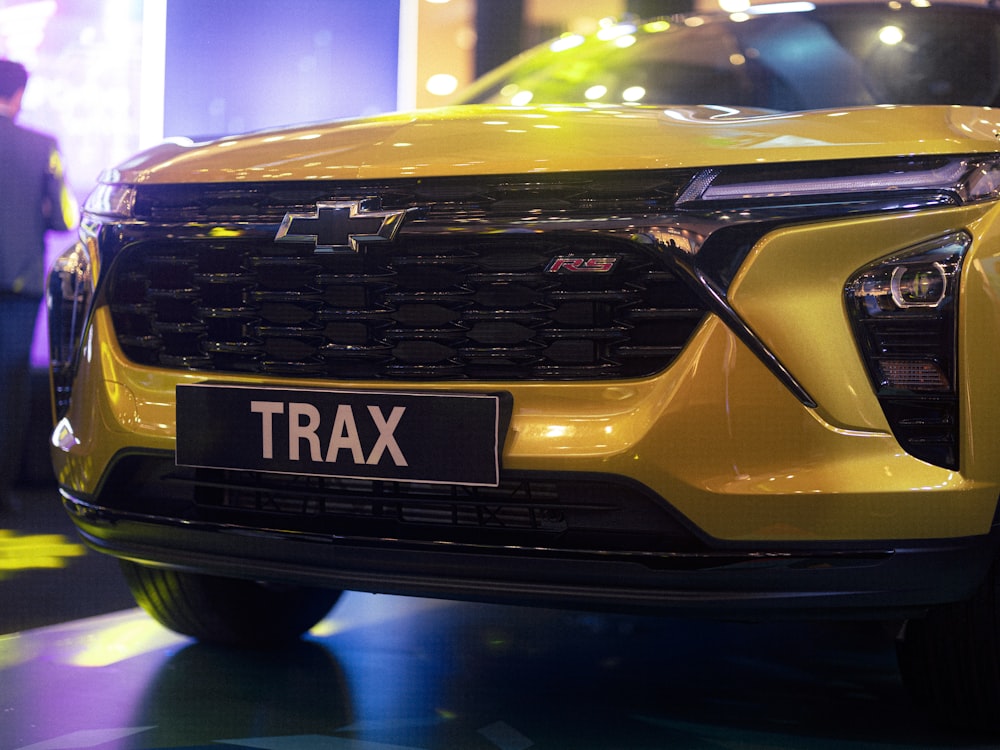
x,y
478,140
979,342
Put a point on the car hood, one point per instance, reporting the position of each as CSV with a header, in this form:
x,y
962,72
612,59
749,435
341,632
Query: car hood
x,y
469,140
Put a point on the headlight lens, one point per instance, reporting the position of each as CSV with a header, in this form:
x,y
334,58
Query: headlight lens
x,y
919,286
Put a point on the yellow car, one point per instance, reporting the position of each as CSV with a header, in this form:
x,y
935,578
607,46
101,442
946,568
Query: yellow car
x,y
698,315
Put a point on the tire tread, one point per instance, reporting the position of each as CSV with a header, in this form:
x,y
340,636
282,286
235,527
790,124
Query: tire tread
x,y
227,611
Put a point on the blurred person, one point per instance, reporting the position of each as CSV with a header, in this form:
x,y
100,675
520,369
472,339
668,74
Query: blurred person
x,y
33,200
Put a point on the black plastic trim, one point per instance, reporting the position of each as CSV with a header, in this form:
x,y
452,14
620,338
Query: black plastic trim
x,y
862,580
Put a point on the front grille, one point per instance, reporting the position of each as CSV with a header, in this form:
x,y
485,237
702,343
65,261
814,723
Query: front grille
x,y
427,306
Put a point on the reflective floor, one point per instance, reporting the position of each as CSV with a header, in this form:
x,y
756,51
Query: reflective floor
x,y
388,672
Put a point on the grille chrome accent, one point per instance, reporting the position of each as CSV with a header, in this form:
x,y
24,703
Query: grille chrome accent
x,y
429,306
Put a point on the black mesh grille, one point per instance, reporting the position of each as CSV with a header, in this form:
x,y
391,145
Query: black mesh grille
x,y
514,511
577,513
428,306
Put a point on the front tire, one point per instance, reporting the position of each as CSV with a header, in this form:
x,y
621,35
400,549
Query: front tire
x,y
227,611
950,659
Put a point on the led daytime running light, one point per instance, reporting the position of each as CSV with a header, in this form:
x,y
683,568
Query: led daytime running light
x,y
969,180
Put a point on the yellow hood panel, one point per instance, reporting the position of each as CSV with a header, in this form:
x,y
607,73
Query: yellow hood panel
x,y
477,140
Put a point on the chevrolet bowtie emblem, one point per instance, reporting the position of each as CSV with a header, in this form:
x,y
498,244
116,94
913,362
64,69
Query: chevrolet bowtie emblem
x,y
340,226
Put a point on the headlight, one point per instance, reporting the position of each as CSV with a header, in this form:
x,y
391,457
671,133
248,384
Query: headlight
x,y
904,312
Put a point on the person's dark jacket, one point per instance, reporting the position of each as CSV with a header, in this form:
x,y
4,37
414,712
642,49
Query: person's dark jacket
x,y
33,199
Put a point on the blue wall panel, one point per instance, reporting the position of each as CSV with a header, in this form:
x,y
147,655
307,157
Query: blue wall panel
x,y
239,65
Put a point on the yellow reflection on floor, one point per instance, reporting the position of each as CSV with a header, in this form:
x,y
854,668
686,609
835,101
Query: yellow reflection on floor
x,y
32,551
116,638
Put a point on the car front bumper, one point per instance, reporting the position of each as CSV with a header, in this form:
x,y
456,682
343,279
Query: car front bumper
x,y
863,580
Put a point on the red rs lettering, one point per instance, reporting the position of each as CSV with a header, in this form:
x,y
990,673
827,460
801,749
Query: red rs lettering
x,y
568,264
575,264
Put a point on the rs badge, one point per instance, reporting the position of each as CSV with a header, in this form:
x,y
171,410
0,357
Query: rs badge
x,y
577,264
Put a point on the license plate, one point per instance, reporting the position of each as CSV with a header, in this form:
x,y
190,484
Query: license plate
x,y
442,438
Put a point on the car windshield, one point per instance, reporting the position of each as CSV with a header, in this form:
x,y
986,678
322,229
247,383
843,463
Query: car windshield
x,y
804,57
